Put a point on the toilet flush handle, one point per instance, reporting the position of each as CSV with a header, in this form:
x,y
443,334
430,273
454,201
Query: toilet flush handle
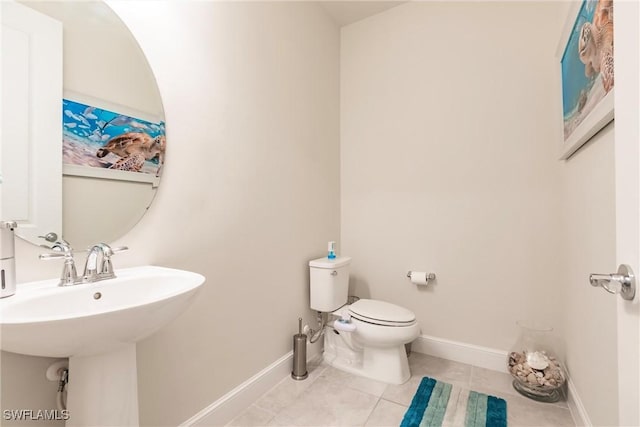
x,y
334,273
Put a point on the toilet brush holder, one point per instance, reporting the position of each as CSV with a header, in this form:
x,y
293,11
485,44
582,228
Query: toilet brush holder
x,y
299,371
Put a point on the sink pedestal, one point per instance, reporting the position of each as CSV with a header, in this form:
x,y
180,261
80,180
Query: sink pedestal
x,y
103,389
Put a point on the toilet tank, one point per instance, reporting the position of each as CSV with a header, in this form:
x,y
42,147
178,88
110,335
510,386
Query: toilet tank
x,y
329,283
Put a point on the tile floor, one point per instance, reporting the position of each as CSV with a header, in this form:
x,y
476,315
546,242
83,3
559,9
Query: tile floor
x,y
329,397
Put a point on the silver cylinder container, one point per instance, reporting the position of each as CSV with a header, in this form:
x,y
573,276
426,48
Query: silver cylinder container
x,y
7,259
299,371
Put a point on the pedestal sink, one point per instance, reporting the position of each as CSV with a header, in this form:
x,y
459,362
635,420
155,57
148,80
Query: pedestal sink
x,y
96,326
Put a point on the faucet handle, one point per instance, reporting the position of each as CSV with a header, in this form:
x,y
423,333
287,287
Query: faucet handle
x,y
62,246
62,249
47,257
106,267
108,250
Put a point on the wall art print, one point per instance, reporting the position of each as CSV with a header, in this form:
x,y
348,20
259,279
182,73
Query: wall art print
x,y
587,73
99,138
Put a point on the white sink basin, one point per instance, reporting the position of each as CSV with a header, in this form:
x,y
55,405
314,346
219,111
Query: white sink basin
x,y
44,319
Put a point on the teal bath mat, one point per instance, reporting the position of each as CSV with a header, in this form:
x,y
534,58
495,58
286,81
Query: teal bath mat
x,y
438,404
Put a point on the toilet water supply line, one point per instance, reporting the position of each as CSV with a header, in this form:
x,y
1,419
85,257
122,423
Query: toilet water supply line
x,y
315,335
61,400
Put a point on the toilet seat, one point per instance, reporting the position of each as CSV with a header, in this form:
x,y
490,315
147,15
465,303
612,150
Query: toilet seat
x,y
381,313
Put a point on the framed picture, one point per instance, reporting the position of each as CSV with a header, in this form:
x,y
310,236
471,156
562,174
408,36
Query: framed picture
x,y
103,140
585,53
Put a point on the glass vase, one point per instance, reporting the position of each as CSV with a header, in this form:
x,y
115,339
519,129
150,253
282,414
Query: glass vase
x,y
534,364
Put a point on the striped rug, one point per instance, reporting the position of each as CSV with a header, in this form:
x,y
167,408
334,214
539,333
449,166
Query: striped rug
x,y
440,404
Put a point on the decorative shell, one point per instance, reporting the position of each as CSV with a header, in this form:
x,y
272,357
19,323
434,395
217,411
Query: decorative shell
x,y
538,360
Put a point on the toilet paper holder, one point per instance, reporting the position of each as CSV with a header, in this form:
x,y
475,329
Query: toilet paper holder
x,y
430,276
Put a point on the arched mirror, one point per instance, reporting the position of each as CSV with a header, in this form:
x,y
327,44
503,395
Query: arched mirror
x,y
111,123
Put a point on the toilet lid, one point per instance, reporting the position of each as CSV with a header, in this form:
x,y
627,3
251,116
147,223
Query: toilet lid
x,y
373,311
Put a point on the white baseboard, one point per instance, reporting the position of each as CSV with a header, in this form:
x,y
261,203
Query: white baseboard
x,y
229,406
475,355
578,412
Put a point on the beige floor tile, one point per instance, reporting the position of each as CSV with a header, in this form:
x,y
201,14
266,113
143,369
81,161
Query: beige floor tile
x,y
386,414
328,404
252,417
440,369
355,382
403,393
491,382
522,411
280,421
330,397
288,390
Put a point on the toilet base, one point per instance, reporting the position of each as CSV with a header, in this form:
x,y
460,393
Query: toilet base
x,y
389,365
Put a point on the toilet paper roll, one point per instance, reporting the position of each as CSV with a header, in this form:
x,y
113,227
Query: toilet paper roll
x,y
419,277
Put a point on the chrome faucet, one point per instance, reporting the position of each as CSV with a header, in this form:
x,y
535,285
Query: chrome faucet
x,y
94,271
91,271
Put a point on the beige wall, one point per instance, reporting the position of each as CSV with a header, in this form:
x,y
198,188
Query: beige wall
x,y
449,164
250,192
106,62
102,210
448,157
101,58
590,313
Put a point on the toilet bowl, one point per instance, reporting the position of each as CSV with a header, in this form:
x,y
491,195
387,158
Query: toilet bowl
x,y
369,339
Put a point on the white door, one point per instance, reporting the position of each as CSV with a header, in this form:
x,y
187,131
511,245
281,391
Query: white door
x,y
31,127
627,158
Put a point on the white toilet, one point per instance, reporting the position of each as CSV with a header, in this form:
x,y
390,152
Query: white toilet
x,y
367,337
